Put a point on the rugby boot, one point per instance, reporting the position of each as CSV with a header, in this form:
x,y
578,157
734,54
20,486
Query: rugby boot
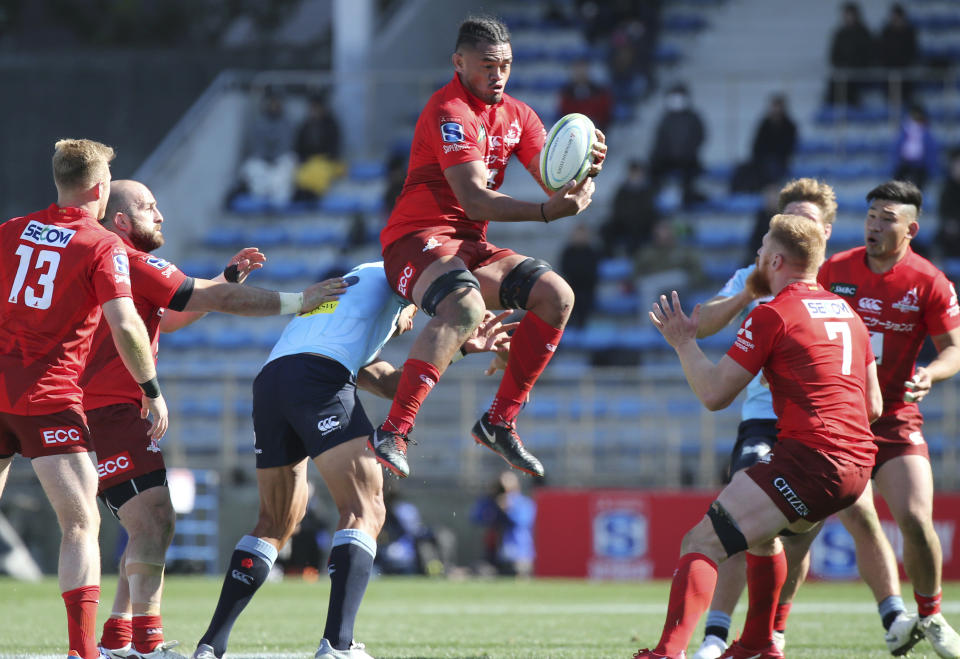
x,y
943,638
779,639
390,449
645,653
737,651
204,651
903,634
118,653
161,651
505,441
327,651
711,648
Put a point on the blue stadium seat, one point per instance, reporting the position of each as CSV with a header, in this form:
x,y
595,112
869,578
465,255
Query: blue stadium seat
x,y
615,269
367,170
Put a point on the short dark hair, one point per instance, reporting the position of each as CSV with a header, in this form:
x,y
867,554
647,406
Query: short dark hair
x,y
902,192
475,30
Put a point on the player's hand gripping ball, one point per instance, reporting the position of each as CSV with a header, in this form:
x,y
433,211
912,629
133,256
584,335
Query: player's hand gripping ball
x,y
566,154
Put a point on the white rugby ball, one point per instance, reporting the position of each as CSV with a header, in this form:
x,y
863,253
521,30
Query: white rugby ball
x,y
566,151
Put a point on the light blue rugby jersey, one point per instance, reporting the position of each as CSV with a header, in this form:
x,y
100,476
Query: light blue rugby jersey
x,y
351,330
758,403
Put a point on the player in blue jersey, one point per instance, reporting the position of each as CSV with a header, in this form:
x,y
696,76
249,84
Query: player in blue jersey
x,y
305,406
756,437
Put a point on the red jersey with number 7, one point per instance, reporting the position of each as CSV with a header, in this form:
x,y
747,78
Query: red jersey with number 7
x,y
900,307
57,266
814,352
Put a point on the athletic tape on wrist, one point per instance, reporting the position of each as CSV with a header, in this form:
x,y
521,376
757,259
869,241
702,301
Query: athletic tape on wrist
x,y
291,302
151,388
232,273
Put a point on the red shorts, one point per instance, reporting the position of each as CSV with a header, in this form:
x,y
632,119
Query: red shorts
x,y
406,258
124,447
897,437
44,434
804,482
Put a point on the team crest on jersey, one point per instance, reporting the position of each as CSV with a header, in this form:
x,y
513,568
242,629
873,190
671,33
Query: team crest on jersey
x,y
909,302
512,138
482,135
849,290
157,262
48,235
431,243
451,129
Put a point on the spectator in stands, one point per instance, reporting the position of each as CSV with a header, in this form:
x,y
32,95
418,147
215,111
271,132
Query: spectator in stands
x,y
774,143
271,161
676,148
761,220
318,149
634,215
507,515
852,48
579,262
898,53
916,152
948,233
630,64
585,95
408,545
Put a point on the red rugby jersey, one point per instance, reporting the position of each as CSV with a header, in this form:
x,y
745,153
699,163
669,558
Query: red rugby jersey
x,y
814,351
57,266
456,127
900,308
106,381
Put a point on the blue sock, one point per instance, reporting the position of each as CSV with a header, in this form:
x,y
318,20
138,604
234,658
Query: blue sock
x,y
718,624
350,564
249,566
890,608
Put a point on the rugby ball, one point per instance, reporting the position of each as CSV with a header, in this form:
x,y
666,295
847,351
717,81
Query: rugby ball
x,y
566,151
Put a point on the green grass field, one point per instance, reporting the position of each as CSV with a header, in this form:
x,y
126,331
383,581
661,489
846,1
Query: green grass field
x,y
438,618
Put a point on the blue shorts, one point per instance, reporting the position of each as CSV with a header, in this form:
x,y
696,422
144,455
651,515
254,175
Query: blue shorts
x,y
304,405
755,438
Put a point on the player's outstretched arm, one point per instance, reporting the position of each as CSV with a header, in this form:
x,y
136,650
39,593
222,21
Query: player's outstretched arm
x,y
133,344
469,183
716,385
717,312
242,264
209,295
946,365
380,378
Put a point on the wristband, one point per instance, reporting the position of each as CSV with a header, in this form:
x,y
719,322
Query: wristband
x,y
232,273
543,215
291,302
459,354
151,388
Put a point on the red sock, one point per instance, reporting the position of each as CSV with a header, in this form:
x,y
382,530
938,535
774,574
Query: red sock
x,y
531,348
780,618
81,606
117,633
927,605
416,381
694,581
765,577
147,633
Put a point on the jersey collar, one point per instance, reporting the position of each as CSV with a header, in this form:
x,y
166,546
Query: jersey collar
x,y
69,213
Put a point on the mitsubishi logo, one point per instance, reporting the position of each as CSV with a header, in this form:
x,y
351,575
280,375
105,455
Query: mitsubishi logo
x,y
745,330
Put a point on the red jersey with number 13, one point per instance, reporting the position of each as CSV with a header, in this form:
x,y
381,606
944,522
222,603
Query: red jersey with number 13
x,y
457,127
57,266
814,351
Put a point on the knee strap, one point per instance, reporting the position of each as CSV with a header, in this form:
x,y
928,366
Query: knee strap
x,y
726,529
444,285
518,283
